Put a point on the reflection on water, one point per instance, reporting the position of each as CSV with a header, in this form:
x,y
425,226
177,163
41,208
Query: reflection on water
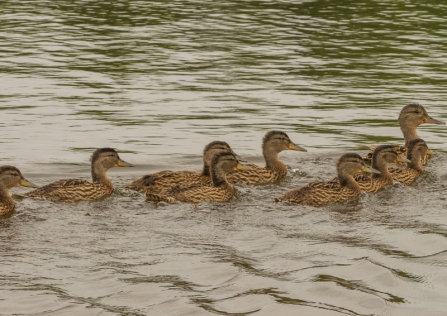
x,y
158,81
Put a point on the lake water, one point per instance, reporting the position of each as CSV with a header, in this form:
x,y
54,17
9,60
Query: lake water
x,y
157,81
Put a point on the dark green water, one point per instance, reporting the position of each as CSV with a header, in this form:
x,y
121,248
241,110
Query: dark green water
x,y
160,79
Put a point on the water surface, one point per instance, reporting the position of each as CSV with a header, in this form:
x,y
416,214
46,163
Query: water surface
x,y
157,81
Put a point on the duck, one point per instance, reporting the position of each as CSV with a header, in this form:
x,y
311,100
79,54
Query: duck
x,y
74,190
273,143
410,117
220,190
416,154
322,193
160,181
10,177
382,157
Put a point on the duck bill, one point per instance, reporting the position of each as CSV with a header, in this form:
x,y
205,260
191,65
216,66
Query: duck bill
x,y
26,183
402,159
242,167
430,153
430,120
122,163
369,169
293,146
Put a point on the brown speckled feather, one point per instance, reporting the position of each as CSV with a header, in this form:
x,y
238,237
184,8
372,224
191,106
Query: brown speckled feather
x,y
368,182
372,184
71,190
10,177
319,194
161,181
74,190
220,190
410,117
194,193
401,150
257,175
273,143
417,154
405,175
6,205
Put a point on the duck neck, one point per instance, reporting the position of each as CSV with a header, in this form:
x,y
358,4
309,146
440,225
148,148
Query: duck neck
x,y
348,181
382,166
219,178
99,175
273,163
416,162
205,170
409,132
5,197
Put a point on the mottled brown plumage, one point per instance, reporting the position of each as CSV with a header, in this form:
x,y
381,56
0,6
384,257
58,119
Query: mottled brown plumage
x,y
161,181
220,190
417,153
410,117
10,177
383,156
322,193
272,144
73,190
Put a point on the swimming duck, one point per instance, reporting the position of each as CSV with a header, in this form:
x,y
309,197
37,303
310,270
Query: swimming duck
x,y
381,158
272,144
322,193
220,190
417,152
10,177
158,182
410,117
73,190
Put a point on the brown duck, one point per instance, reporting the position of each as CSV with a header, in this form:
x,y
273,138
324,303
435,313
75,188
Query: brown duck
x,y
158,182
416,153
73,190
272,144
220,190
382,157
410,117
322,193
10,177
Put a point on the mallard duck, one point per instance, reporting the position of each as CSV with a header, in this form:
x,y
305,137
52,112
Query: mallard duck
x,y
416,153
381,158
10,177
158,182
410,117
220,190
73,190
322,193
272,144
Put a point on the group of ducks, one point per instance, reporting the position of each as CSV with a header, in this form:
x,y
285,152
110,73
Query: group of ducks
x,y
222,168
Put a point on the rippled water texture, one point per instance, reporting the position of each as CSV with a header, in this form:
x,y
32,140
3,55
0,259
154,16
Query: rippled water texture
x,y
158,80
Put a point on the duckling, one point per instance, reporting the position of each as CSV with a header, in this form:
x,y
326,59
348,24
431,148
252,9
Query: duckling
x,y
73,190
322,193
220,190
417,152
158,182
272,144
381,158
10,177
410,117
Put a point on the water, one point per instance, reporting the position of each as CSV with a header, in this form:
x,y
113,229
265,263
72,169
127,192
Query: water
x,y
159,80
